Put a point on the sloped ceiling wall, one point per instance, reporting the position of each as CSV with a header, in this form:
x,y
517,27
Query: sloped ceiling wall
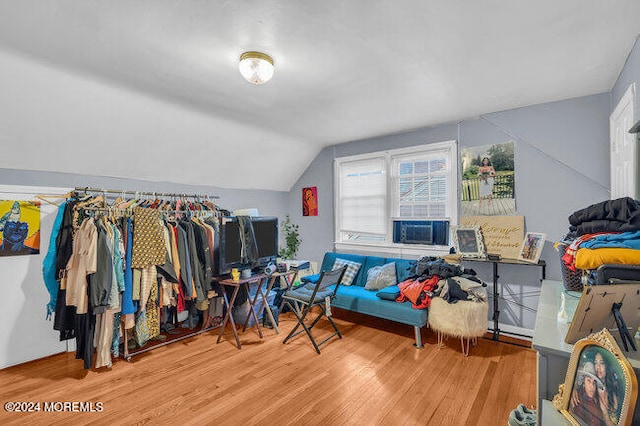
x,y
52,120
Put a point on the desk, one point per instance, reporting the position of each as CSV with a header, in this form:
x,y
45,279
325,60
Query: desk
x,y
552,351
229,303
496,294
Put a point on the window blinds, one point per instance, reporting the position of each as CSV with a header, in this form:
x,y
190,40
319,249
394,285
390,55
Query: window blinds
x,y
421,185
363,188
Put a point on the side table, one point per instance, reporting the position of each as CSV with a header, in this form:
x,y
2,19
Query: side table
x,y
496,293
229,303
289,278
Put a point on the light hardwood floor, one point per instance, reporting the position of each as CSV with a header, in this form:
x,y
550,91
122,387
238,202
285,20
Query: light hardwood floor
x,y
372,376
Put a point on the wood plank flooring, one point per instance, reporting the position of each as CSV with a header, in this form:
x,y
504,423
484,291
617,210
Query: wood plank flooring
x,y
372,376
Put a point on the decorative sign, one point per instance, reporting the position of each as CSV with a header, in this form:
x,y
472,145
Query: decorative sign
x,y
503,235
19,227
310,201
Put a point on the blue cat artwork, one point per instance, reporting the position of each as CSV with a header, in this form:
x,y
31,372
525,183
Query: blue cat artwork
x,y
20,228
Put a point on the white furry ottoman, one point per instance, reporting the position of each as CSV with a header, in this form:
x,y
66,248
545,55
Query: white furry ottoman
x,y
464,319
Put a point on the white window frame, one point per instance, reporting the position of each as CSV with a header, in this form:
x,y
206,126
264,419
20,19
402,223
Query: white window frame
x,y
389,247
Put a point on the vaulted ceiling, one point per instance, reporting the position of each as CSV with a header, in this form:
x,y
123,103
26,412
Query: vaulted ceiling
x,y
344,70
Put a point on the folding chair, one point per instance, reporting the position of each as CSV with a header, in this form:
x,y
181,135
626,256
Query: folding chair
x,y
302,299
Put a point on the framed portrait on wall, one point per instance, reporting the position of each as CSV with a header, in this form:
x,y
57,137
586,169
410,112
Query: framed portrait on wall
x,y
600,386
310,201
467,241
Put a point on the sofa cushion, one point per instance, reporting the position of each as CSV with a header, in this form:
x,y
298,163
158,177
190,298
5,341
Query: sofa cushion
x,y
404,268
370,262
305,292
352,270
356,298
389,293
310,278
380,277
330,258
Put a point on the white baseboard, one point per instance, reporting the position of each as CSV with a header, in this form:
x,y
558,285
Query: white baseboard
x,y
524,333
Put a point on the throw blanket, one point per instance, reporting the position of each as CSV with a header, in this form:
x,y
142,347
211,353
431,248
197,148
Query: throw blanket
x,y
620,215
592,258
418,292
625,240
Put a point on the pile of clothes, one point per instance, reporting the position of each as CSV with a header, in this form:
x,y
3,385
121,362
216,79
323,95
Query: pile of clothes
x,y
434,277
604,233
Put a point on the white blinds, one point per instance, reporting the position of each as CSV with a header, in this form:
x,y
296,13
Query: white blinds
x,y
421,182
363,188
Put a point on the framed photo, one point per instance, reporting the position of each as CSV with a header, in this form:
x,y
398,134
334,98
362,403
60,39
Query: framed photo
x,y
532,247
310,201
600,386
468,241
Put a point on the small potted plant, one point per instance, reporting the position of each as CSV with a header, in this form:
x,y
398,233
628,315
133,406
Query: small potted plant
x,y
291,238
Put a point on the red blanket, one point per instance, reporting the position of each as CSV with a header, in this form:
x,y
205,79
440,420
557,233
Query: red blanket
x,y
417,292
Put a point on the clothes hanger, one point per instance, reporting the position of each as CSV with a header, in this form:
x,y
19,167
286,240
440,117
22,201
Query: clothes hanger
x,y
47,197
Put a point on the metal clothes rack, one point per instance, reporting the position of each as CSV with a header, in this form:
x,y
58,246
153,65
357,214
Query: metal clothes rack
x,y
156,194
126,354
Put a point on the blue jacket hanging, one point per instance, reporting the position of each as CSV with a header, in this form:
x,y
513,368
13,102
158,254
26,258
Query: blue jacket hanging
x,y
49,263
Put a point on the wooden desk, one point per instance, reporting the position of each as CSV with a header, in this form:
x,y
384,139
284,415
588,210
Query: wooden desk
x,y
229,303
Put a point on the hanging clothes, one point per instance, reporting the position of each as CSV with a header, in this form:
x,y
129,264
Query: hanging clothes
x,y
148,244
249,251
119,274
128,306
101,280
83,262
49,263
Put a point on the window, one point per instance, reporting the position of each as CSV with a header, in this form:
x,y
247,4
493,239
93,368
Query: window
x,y
374,191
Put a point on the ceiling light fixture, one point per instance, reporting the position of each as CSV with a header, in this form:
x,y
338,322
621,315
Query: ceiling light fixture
x,y
256,67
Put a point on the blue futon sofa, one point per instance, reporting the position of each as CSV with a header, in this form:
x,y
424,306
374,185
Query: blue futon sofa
x,y
355,298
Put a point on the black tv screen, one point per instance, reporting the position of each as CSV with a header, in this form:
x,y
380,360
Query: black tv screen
x,y
232,244
266,231
229,247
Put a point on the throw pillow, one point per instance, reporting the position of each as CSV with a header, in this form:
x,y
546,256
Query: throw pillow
x,y
380,277
389,293
351,272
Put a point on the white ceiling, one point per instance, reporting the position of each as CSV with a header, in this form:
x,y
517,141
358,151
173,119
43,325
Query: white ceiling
x,y
345,70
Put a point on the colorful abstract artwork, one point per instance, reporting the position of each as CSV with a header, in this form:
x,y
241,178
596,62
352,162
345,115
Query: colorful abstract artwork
x,y
310,201
19,227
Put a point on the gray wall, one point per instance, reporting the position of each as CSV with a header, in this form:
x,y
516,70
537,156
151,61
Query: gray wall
x,y
561,165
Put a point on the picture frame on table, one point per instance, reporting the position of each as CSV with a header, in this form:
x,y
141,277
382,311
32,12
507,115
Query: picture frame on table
x,y
600,386
532,247
468,241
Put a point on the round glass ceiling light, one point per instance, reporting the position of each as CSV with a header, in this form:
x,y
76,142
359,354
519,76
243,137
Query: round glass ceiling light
x,y
256,67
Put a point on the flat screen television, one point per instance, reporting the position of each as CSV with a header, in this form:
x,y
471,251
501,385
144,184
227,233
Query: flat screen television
x,y
229,245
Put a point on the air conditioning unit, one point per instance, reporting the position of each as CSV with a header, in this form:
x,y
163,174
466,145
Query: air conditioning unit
x,y
427,232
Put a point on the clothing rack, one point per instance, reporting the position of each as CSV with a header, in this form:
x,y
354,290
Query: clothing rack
x,y
208,323
149,346
155,194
